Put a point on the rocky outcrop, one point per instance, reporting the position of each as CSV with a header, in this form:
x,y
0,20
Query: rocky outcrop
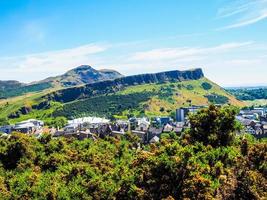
x,y
83,74
111,86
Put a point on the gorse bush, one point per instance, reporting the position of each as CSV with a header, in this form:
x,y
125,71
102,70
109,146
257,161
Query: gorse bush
x,y
212,165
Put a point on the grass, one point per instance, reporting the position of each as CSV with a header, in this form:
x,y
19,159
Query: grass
x,y
257,102
164,100
183,93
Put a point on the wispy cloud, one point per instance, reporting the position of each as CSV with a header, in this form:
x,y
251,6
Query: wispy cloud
x,y
186,52
36,66
243,12
222,62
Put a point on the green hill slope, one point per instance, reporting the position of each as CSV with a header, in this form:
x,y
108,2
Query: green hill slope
x,y
150,94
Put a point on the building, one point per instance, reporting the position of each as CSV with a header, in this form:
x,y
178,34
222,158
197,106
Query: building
x,y
180,115
142,124
6,129
24,127
72,127
162,121
168,128
29,126
155,139
154,131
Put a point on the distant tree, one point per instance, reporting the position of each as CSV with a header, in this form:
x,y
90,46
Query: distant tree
x,y
59,122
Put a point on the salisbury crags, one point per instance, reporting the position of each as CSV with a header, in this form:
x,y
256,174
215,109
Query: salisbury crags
x,y
111,86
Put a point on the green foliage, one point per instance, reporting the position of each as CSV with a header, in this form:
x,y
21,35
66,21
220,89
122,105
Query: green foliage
x,y
104,105
214,126
249,93
58,122
217,99
206,86
190,87
115,168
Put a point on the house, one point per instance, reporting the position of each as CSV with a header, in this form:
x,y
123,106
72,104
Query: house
x,y
250,130
74,127
37,123
133,123
29,126
246,122
142,124
168,128
258,130
123,125
24,127
154,131
155,139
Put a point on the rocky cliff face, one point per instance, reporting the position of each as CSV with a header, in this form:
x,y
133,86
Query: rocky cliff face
x,y
110,86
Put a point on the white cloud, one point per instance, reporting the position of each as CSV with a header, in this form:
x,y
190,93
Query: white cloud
x,y
245,12
226,64
37,66
185,53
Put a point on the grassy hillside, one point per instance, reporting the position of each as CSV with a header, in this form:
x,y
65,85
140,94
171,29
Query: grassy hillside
x,y
157,99
21,90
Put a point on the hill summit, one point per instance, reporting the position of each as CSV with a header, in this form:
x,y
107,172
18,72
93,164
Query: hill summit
x,y
83,74
80,75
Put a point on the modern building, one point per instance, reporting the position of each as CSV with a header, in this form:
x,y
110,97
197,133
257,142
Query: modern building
x,y
180,115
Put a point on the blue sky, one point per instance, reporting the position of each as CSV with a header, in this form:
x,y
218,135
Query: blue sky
x,y
227,38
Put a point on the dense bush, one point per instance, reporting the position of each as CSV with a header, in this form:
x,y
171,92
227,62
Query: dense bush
x,y
114,168
206,86
214,126
217,99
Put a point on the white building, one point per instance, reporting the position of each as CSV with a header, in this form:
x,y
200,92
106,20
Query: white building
x,y
29,126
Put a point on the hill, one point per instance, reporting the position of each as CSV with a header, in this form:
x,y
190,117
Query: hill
x,y
146,94
83,74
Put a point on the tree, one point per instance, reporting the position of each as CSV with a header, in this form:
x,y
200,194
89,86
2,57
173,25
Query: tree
x,y
214,126
59,122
